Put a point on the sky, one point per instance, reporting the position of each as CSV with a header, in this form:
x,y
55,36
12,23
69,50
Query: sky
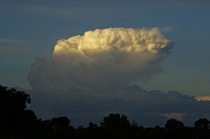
x,y
44,48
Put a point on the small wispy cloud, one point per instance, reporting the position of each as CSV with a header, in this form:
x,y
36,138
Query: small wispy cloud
x,y
8,40
202,98
178,116
8,44
15,46
166,29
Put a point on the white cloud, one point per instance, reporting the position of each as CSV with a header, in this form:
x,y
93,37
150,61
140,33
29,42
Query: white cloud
x,y
102,58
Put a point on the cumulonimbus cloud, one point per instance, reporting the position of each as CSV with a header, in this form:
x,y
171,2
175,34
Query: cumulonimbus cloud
x,y
106,61
102,59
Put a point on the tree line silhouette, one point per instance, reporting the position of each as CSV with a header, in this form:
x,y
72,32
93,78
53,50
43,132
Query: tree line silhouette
x,y
16,122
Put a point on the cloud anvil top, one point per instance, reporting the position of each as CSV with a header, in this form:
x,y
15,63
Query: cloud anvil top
x,y
121,39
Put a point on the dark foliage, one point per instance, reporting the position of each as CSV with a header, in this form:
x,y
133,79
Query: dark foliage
x,y
174,125
202,124
12,104
18,123
116,122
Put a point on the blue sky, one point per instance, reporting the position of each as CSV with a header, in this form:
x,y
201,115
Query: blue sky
x,y
29,29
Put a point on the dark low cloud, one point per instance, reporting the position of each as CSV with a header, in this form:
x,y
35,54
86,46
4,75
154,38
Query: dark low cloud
x,y
147,108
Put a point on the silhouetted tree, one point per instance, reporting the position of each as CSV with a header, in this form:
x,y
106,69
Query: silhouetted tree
x,y
174,125
60,122
44,129
12,104
134,125
92,125
27,118
27,123
116,122
202,124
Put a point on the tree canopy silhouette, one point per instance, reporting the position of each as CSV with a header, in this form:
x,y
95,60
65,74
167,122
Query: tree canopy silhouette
x,y
12,104
202,124
174,125
116,122
60,122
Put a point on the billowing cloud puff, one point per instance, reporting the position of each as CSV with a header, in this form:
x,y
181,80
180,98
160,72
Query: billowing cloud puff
x,y
101,59
110,39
